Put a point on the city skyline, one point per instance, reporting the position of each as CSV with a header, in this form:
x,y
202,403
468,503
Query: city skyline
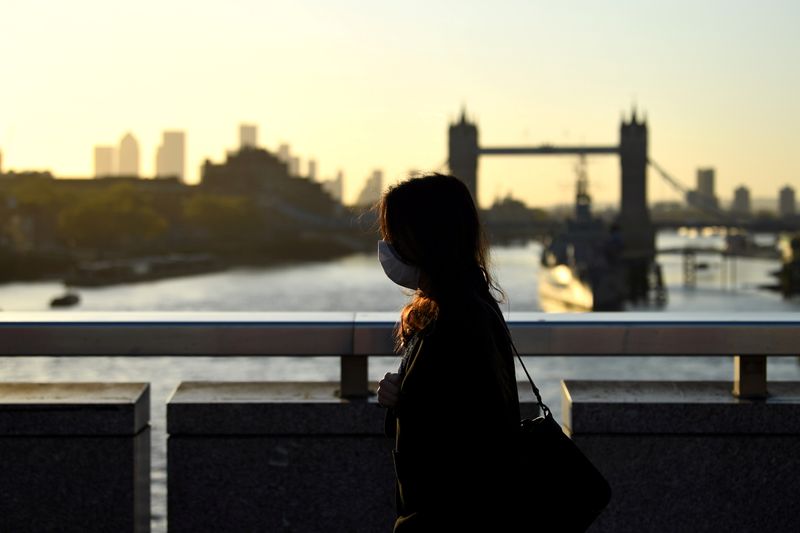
x,y
123,160
359,86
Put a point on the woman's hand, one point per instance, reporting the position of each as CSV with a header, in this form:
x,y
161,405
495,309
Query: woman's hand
x,y
389,389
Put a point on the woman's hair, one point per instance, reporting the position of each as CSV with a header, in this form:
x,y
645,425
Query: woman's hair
x,y
432,222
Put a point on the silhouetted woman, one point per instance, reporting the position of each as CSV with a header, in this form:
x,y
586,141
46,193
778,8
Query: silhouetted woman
x,y
452,406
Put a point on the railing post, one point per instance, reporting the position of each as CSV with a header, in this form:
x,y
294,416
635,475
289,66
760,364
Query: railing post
x,y
354,376
750,376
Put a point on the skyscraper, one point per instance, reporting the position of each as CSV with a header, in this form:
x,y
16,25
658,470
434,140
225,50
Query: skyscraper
x,y
741,200
312,169
170,155
703,196
335,186
705,181
104,161
786,204
372,190
294,166
128,156
283,153
248,134
1,161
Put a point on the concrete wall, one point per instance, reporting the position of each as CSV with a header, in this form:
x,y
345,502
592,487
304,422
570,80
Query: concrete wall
x,y
74,457
277,457
688,456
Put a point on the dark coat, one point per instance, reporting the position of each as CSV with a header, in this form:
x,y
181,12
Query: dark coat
x,y
454,424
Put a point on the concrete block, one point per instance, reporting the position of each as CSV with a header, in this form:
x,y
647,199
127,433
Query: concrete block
x,y
277,456
689,456
74,457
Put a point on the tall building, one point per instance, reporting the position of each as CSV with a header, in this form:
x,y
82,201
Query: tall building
x,y
372,190
741,201
1,161
786,204
335,186
705,181
294,166
248,136
128,156
312,169
171,155
261,176
104,161
283,153
703,196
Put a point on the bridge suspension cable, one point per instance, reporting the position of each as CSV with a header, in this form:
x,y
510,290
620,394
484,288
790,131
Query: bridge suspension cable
x,y
715,211
669,179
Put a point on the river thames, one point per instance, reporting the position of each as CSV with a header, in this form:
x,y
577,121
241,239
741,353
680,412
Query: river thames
x,y
357,283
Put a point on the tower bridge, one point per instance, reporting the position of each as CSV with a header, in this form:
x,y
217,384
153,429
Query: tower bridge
x,y
636,226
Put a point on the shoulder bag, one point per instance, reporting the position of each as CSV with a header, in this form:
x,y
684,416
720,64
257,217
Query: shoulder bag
x,y
556,477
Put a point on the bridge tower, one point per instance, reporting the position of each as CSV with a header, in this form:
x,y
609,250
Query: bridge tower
x,y
462,157
637,229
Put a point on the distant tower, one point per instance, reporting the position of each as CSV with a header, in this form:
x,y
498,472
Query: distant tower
x,y
741,201
339,186
634,213
335,186
294,166
705,181
705,187
462,158
128,156
1,161
171,155
248,134
636,228
786,202
103,161
312,169
372,190
283,153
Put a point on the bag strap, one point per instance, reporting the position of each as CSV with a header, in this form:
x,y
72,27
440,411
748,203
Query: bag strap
x,y
545,410
542,407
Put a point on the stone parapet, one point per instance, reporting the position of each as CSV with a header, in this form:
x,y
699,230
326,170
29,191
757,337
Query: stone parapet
x,y
277,456
75,457
689,456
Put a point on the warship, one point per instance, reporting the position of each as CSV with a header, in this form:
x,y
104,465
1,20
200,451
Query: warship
x,y
582,267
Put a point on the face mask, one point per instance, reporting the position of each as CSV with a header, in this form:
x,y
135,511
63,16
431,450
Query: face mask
x,y
395,268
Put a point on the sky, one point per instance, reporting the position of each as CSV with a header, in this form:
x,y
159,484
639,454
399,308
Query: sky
x,y
361,85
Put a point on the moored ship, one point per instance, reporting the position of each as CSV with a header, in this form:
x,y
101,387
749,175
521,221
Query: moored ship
x,y
582,267
789,273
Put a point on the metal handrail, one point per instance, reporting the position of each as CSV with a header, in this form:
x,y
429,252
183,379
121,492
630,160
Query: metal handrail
x,y
354,336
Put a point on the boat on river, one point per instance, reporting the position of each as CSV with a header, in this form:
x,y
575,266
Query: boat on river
x,y
789,273
111,272
65,300
582,267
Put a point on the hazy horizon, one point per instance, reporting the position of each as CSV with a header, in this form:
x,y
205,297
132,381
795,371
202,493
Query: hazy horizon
x,y
359,86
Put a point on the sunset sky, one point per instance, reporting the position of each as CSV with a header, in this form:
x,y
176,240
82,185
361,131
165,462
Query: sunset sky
x,y
359,85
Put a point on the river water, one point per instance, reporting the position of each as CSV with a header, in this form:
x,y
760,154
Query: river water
x,y
357,283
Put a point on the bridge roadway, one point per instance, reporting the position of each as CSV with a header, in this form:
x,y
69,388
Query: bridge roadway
x,y
547,149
